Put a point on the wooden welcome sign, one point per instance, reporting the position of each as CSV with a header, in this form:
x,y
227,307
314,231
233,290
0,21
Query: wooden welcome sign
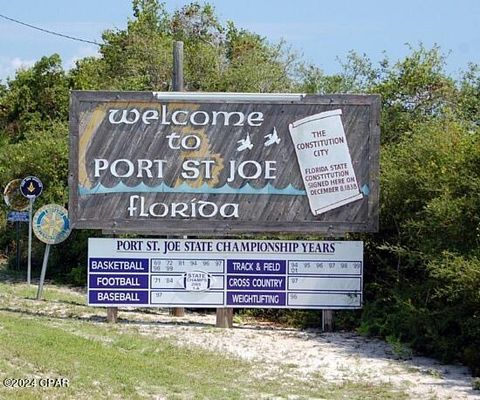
x,y
223,163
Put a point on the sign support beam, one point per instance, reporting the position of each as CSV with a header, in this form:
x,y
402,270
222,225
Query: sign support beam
x,y
29,263
31,187
44,270
112,315
327,320
17,239
224,318
178,86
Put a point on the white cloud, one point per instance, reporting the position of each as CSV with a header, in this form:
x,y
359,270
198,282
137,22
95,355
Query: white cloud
x,y
84,51
8,66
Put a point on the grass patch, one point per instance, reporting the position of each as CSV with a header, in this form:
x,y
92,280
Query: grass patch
x,y
476,384
50,293
128,366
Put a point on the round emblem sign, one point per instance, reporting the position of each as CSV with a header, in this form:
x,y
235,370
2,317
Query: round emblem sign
x,y
51,224
31,187
13,197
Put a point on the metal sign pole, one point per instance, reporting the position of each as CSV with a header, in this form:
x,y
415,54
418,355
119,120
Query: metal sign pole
x,y
44,270
30,187
17,239
29,265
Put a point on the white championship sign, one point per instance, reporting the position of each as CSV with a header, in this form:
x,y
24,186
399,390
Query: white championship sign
x,y
225,273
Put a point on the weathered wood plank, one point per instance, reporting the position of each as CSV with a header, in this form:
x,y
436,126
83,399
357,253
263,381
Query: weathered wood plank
x,y
112,315
327,320
177,85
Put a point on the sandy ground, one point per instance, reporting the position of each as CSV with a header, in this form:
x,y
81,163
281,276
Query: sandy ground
x,y
335,356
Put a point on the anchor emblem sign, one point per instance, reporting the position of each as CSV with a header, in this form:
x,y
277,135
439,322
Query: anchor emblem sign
x,y
31,187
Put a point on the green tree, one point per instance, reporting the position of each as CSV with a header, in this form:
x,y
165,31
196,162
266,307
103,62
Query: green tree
x,y
468,107
413,90
35,97
217,58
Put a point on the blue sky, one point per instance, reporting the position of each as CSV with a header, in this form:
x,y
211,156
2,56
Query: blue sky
x,y
320,30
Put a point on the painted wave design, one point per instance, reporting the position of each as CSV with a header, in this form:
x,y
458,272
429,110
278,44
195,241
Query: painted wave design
x,y
185,188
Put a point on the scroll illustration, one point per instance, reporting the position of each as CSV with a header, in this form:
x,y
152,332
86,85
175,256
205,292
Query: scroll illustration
x,y
325,162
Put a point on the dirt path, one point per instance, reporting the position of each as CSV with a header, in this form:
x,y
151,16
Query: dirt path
x,y
335,356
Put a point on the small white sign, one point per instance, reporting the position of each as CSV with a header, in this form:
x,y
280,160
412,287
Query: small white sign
x,y
325,161
196,281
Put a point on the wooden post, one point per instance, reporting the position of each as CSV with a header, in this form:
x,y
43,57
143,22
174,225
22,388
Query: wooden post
x,y
224,318
112,315
177,80
112,312
327,320
177,86
177,312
